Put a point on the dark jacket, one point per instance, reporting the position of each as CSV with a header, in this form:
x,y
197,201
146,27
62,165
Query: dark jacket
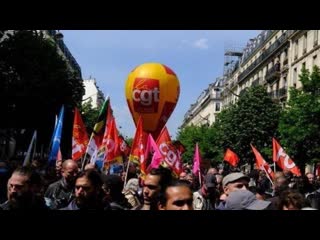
x,y
73,206
59,194
36,204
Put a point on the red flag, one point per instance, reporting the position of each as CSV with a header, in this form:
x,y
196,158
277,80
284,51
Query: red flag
x,y
99,153
138,148
180,147
124,147
112,151
261,163
231,158
196,161
98,131
283,160
80,137
169,152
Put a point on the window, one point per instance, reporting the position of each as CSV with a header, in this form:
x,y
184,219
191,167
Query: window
x,y
315,39
314,59
295,49
285,82
294,77
303,65
217,107
305,43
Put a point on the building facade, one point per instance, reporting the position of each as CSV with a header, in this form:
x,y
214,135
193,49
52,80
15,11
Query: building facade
x,y
64,51
207,106
273,59
92,93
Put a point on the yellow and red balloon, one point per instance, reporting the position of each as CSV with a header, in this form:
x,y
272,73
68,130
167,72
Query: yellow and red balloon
x,y
152,92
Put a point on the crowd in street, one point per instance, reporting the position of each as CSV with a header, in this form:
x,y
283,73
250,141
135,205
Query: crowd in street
x,y
65,186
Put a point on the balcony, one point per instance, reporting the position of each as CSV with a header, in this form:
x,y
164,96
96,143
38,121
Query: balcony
x,y
273,73
278,94
283,92
285,65
266,54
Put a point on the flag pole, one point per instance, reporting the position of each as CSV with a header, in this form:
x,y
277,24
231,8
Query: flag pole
x,y
268,175
200,177
127,170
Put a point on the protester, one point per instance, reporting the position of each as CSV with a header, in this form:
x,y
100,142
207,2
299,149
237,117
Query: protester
x,y
176,196
23,191
59,194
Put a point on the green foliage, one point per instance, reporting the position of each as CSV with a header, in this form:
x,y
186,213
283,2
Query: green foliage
x,y
299,125
90,115
35,79
203,135
253,119
129,141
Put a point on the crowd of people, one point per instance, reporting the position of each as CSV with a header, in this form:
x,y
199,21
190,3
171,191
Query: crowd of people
x,y
66,187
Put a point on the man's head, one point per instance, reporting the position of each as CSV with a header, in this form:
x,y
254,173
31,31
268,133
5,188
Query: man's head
x,y
88,188
155,180
209,185
183,175
244,200
176,196
310,177
69,171
22,186
213,171
234,181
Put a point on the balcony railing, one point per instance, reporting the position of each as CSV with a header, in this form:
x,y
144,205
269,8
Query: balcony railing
x,y
273,73
266,54
283,92
278,94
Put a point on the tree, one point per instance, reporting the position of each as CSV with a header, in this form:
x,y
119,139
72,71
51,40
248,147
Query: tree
x,y
90,115
299,125
191,135
35,81
253,119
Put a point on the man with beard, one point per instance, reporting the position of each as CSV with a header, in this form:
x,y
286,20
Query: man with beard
x,y
59,194
205,197
24,191
155,181
176,196
88,192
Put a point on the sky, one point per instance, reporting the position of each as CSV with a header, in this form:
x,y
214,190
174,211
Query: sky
x,y
196,56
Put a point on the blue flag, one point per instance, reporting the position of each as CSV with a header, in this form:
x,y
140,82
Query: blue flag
x,y
56,137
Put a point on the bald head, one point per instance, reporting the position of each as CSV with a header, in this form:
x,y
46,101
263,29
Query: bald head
x,y
69,163
69,171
